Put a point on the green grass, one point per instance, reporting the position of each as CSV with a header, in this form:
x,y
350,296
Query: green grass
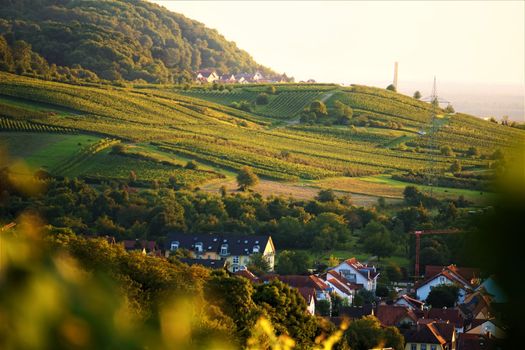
x,y
41,150
438,191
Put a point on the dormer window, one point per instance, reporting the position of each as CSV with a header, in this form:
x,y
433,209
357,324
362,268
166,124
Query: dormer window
x,y
256,249
224,249
174,245
246,242
198,247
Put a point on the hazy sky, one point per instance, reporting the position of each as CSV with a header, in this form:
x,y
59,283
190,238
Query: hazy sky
x,y
359,41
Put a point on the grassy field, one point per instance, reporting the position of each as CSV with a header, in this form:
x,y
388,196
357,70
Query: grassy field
x,y
174,126
44,150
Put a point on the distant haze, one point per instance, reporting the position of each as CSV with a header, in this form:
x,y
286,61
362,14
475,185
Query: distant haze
x,y
478,44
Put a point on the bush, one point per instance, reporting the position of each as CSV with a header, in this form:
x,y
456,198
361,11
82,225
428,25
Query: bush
x,y
262,99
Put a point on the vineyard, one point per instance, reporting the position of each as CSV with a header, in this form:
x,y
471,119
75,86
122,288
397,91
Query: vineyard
x,y
8,124
198,124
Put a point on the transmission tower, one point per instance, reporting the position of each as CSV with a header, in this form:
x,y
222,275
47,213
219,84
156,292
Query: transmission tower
x,y
431,171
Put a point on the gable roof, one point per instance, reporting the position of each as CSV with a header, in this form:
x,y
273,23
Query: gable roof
x,y
427,333
299,281
451,276
237,245
414,303
206,72
307,293
209,263
356,312
391,315
468,341
247,274
451,315
460,275
131,244
341,283
368,272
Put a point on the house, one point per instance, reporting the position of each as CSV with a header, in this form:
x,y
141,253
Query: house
x,y
309,296
257,76
405,300
491,287
477,305
397,316
228,79
447,275
431,336
470,274
491,327
147,247
478,342
206,76
305,284
211,264
452,316
235,250
341,286
244,272
358,273
356,312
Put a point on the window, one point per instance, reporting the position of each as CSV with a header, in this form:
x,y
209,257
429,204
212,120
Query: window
x,y
433,347
198,247
256,249
224,249
174,245
235,268
441,280
413,346
236,259
423,347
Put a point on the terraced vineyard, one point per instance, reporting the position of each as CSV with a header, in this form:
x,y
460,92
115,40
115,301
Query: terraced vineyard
x,y
174,123
288,104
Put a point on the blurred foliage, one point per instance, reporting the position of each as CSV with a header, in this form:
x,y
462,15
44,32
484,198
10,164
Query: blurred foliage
x,y
62,291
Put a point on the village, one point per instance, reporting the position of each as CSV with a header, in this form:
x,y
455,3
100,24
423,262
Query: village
x,y
347,291
205,76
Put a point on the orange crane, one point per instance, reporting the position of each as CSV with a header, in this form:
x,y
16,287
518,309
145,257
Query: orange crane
x,y
418,235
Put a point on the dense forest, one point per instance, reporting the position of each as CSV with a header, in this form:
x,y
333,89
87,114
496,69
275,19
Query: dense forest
x,y
112,40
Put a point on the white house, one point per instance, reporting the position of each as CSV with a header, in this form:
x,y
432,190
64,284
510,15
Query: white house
x,y
446,276
309,296
341,286
411,303
358,273
207,76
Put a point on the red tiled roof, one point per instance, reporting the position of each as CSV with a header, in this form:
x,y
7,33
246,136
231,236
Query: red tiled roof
x,y
416,304
370,274
391,315
307,293
298,281
342,283
427,333
466,273
476,342
247,274
451,315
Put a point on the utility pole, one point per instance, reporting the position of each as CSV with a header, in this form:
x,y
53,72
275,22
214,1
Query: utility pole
x,y
395,75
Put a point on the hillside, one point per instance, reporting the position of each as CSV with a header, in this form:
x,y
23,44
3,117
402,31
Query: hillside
x,y
162,128
112,40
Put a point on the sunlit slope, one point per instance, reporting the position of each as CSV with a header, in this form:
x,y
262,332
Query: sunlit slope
x,y
178,125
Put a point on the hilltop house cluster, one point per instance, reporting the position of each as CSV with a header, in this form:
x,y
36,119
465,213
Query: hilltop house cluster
x,y
472,324
211,76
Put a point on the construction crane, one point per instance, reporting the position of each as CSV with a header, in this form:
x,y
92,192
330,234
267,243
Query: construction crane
x,y
418,235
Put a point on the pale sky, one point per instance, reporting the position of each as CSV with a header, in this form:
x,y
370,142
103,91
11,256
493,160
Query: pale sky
x,y
359,41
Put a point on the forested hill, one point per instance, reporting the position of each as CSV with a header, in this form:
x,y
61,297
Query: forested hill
x,y
112,40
